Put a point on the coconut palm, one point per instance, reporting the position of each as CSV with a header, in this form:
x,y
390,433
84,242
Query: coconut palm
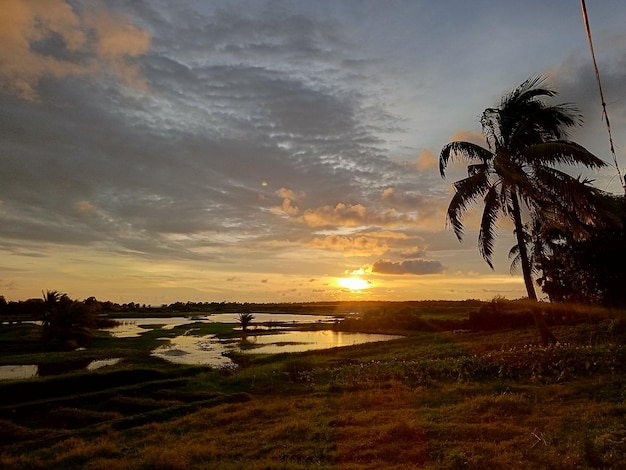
x,y
517,175
66,323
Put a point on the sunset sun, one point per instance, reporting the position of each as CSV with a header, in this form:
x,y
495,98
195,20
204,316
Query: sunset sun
x,y
353,283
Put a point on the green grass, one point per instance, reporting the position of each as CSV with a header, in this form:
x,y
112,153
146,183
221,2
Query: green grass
x,y
430,400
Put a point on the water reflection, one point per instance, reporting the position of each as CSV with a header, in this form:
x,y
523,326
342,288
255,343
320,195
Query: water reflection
x,y
209,350
99,363
12,372
18,372
131,327
299,341
195,350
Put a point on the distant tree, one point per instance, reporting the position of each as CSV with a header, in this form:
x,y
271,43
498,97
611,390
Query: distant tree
x,y
245,320
4,306
518,172
93,304
66,323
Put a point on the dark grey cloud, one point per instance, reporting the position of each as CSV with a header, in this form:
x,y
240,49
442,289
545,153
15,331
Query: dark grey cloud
x,y
232,101
576,81
408,266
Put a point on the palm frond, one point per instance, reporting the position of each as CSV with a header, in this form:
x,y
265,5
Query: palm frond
x,y
529,90
467,150
525,119
572,201
561,152
537,122
487,233
467,192
516,259
565,191
512,176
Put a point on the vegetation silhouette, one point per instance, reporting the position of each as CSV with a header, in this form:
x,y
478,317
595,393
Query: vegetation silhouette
x,y
245,320
517,174
588,269
66,323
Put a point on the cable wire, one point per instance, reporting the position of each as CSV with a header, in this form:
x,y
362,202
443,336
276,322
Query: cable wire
x,y
604,112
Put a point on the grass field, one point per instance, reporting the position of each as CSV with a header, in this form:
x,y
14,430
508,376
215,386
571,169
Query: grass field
x,y
434,400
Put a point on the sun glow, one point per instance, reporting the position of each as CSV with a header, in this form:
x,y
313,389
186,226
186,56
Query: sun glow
x,y
353,283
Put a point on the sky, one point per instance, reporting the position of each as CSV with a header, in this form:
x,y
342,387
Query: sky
x,y
156,151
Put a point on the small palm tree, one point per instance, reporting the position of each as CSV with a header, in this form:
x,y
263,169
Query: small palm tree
x,y
245,320
517,174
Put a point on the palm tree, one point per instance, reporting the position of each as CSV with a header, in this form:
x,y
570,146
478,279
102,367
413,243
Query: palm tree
x,y
66,323
517,176
245,319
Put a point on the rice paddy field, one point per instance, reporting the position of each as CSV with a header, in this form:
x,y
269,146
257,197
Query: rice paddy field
x,y
456,399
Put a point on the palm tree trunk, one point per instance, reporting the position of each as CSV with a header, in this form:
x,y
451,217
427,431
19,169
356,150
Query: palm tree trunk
x,y
540,322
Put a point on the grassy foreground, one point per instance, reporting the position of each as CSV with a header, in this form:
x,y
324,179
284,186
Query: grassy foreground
x,y
431,400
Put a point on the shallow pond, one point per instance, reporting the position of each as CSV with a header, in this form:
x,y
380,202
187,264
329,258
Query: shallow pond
x,y
209,350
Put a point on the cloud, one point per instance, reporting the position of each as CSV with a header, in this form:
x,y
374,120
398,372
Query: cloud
x,y
405,200
575,78
52,39
408,266
85,206
118,41
287,207
426,160
358,245
176,173
353,215
475,137
430,210
576,82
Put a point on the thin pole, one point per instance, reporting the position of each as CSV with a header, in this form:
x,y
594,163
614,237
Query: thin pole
x,y
604,113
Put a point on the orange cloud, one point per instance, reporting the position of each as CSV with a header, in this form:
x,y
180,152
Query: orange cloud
x,y
340,215
475,137
85,206
119,40
287,207
426,160
97,38
353,215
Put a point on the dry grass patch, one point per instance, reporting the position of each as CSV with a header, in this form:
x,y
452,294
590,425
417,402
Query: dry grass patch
x,y
378,427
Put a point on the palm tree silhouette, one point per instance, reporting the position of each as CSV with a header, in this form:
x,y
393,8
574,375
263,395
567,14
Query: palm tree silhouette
x,y
245,320
517,175
65,323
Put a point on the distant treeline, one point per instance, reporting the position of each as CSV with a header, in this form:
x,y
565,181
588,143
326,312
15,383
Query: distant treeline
x,y
498,314
32,309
